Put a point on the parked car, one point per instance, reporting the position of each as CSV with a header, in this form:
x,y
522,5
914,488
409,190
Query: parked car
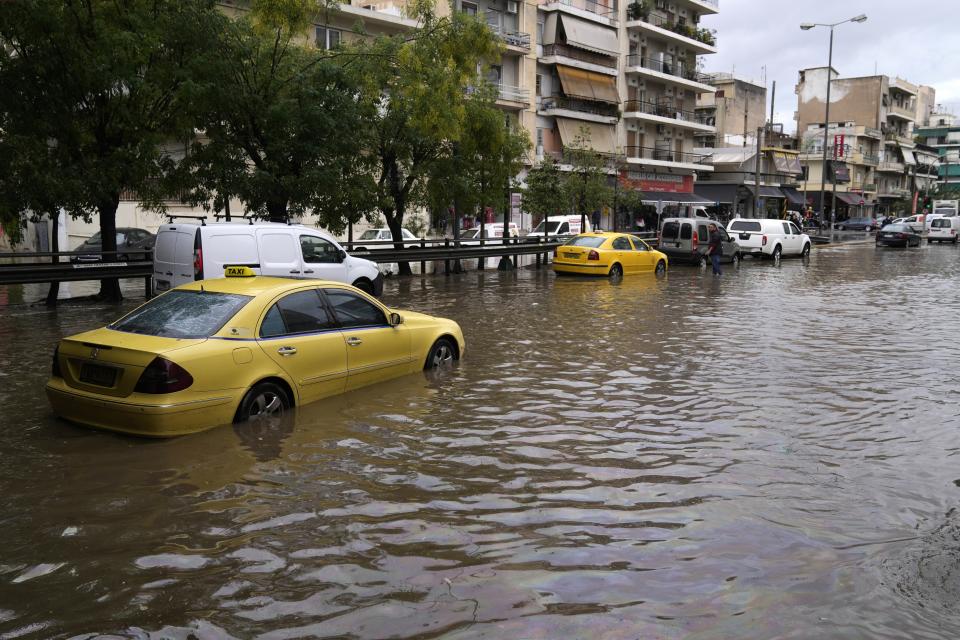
x,y
760,237
384,234
128,239
918,222
857,224
608,254
492,231
944,230
238,348
560,226
186,252
898,235
686,240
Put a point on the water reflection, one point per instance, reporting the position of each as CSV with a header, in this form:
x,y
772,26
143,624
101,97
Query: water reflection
x,y
681,458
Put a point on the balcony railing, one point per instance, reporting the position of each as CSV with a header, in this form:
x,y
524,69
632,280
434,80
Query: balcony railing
x,y
904,112
665,154
670,68
868,158
550,103
579,54
705,36
513,94
665,110
517,39
886,165
608,11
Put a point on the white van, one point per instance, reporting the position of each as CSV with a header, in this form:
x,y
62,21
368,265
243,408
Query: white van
x,y
560,226
185,252
491,231
761,237
944,229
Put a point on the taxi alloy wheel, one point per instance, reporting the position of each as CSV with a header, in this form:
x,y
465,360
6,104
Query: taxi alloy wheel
x,y
616,271
265,400
661,268
441,354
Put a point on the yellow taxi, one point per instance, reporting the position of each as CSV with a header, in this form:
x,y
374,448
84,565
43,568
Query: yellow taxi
x,y
608,254
228,350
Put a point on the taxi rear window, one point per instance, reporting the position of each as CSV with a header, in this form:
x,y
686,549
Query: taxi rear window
x,y
586,241
183,314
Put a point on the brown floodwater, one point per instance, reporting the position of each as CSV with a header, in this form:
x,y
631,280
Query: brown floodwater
x,y
771,454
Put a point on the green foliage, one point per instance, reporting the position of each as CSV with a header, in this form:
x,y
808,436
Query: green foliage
x,y
544,194
587,186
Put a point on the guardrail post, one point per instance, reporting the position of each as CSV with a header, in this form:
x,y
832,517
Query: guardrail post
x,y
446,262
481,261
423,263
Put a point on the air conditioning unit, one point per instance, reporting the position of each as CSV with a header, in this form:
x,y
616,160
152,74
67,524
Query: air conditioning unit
x,y
512,6
632,82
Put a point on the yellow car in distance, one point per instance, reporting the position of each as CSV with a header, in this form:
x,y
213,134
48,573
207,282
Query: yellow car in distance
x,y
608,254
219,351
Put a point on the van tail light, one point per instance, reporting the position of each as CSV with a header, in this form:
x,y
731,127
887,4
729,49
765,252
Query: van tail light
x,y
763,242
197,257
163,376
593,255
55,370
696,240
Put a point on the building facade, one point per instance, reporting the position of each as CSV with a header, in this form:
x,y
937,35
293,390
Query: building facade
x,y
942,134
736,108
871,160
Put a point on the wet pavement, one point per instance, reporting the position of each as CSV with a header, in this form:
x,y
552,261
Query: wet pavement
x,y
771,454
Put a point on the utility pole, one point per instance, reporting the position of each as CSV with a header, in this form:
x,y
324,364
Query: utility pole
x,y
756,179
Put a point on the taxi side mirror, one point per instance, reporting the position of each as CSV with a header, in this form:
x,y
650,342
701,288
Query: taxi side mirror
x,y
395,319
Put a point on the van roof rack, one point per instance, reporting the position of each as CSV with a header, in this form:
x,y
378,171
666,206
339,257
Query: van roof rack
x,y
249,219
173,216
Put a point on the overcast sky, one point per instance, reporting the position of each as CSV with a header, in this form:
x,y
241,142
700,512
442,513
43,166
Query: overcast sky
x,y
916,40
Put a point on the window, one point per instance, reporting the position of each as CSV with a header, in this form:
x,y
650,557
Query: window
x,y
468,8
703,235
744,225
564,228
300,312
640,244
794,230
183,314
539,84
686,231
786,228
622,244
584,241
328,38
353,311
319,251
670,230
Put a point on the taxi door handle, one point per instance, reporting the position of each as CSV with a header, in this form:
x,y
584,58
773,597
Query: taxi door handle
x,y
353,342
287,351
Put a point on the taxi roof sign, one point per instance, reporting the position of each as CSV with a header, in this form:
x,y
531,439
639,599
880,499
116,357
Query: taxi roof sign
x,y
238,272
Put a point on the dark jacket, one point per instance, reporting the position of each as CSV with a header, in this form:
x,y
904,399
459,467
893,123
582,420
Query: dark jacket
x,y
716,243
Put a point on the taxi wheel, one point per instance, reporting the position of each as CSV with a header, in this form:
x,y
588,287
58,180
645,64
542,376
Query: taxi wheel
x,y
265,400
661,268
616,271
443,352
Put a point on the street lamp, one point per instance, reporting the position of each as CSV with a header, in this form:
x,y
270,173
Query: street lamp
x,y
806,26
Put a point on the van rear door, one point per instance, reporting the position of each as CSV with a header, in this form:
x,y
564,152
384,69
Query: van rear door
x,y
173,256
279,253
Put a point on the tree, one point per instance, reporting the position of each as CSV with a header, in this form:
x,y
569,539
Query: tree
x,y
415,90
543,195
282,123
587,184
108,85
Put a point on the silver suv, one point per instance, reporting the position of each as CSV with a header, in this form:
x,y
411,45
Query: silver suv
x,y
687,239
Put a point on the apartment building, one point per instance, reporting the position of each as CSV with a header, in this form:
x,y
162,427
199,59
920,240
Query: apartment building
x,y
942,134
871,160
736,108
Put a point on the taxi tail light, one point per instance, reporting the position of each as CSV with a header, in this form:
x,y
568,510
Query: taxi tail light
x,y
55,370
163,376
593,255
763,241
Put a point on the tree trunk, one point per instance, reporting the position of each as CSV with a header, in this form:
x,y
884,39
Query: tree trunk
x,y
54,292
109,287
395,224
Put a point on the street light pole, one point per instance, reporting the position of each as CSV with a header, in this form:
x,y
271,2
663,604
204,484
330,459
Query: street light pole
x,y
826,123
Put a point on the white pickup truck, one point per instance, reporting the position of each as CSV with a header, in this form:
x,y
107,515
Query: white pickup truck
x,y
762,237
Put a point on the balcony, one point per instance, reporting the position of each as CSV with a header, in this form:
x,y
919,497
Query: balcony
x,y
514,40
512,94
699,40
586,8
904,112
577,108
607,64
666,156
667,113
886,166
676,70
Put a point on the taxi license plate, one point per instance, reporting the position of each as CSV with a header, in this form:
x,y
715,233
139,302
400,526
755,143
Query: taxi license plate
x,y
163,285
98,374
571,255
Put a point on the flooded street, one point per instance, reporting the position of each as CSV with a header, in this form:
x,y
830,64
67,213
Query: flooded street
x,y
767,455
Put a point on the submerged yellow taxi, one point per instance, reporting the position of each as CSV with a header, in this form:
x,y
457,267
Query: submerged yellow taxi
x,y
608,254
228,350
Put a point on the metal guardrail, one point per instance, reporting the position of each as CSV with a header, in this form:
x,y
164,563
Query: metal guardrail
x,y
113,267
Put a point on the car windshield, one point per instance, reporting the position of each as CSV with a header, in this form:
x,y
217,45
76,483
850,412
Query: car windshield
x,y
586,241
744,225
183,314
370,234
551,227
470,234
